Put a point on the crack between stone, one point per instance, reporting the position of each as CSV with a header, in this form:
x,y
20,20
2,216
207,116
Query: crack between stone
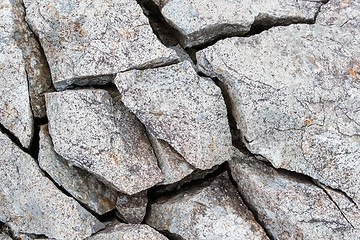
x,y
331,199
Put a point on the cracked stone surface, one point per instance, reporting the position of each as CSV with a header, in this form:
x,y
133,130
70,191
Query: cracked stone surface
x,y
83,186
132,208
97,133
211,210
171,163
181,108
295,93
287,205
128,232
200,22
85,39
15,110
30,203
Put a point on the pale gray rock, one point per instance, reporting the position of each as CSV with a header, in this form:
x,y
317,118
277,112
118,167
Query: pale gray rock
x,y
85,39
15,110
209,211
289,206
36,66
132,208
121,231
340,13
171,163
97,133
30,202
200,22
82,185
181,108
348,207
4,236
295,93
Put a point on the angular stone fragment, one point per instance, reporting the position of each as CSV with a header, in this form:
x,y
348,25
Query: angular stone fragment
x,y
171,163
4,236
296,97
200,22
181,108
85,39
83,186
30,203
289,206
36,66
15,110
132,208
121,231
211,210
97,133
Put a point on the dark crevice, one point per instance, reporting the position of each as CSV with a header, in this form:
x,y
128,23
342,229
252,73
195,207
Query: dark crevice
x,y
157,192
337,206
171,236
165,33
13,138
252,210
109,217
34,147
339,191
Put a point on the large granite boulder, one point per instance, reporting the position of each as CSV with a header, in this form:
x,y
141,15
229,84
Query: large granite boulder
x,y
86,41
97,133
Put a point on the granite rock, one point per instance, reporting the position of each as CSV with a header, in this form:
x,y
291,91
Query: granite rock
x,y
340,13
181,108
211,210
4,236
171,163
97,133
132,208
295,93
200,22
82,185
288,205
30,202
123,231
15,109
86,39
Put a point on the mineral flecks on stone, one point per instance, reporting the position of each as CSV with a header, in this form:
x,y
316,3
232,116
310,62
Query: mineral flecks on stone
x,y
200,22
4,236
30,203
132,208
295,93
121,231
287,205
181,108
15,110
340,13
83,186
211,210
97,133
85,39
171,163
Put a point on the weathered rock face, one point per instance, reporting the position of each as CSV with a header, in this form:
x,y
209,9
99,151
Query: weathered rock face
x,y
132,208
98,134
212,210
296,97
80,184
36,66
15,110
30,203
128,232
171,163
181,108
288,206
85,39
339,13
4,236
200,22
